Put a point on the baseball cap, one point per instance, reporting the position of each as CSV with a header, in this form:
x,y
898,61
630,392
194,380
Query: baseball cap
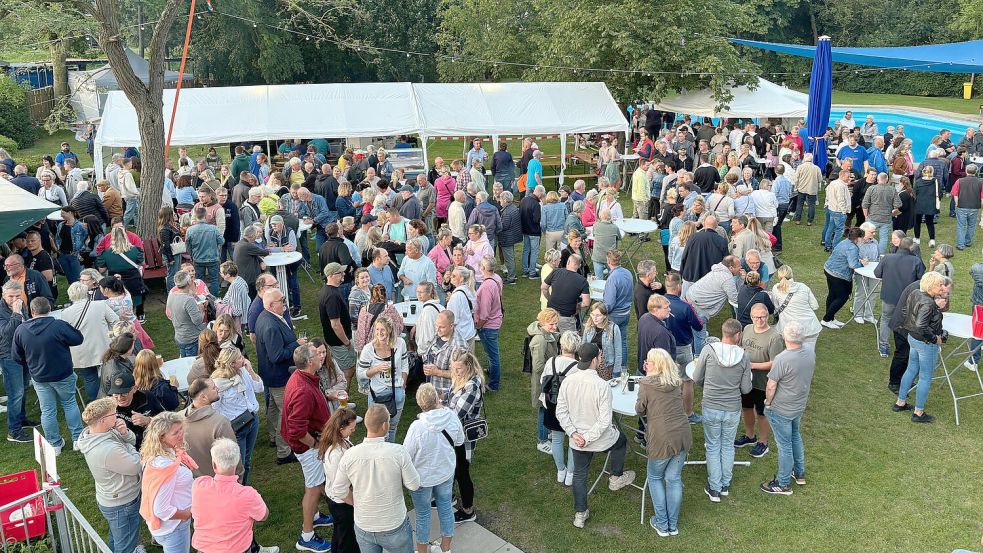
x,y
333,269
586,355
406,188
276,220
369,219
121,382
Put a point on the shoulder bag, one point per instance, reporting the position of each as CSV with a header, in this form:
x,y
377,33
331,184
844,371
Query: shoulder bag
x,y
784,304
388,399
132,264
476,429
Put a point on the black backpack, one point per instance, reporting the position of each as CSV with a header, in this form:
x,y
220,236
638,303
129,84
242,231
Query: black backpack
x,y
551,384
526,355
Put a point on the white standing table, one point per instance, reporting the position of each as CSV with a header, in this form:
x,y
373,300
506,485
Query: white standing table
x,y
635,229
55,216
868,295
280,260
597,289
409,311
179,369
960,328
628,160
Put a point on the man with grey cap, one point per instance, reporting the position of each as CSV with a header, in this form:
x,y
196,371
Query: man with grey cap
x,y
411,208
336,321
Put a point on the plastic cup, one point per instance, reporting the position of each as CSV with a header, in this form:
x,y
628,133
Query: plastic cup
x,y
343,398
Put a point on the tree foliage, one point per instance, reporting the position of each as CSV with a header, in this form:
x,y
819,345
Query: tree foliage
x,y
15,115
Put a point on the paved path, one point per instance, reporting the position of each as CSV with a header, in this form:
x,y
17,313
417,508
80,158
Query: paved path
x,y
469,537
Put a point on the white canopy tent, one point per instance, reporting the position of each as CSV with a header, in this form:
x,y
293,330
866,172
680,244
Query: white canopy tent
x,y
767,100
231,114
20,209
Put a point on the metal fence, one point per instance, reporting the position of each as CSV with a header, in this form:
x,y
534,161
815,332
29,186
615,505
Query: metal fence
x,y
60,528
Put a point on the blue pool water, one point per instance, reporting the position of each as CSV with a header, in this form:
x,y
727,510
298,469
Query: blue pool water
x,y
919,127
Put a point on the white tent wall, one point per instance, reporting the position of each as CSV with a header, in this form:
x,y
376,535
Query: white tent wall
x,y
768,100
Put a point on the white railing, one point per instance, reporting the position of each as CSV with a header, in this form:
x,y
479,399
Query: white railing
x,y
65,529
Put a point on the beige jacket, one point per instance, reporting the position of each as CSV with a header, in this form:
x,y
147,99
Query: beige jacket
x,y
807,179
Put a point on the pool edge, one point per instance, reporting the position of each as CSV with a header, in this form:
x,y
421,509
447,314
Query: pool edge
x,y
925,111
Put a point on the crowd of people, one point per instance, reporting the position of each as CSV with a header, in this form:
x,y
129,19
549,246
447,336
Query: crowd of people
x,y
442,244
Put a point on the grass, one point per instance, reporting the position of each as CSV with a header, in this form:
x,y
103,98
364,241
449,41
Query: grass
x,y
876,481
954,105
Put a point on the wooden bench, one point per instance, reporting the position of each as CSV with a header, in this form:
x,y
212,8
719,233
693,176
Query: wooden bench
x,y
153,263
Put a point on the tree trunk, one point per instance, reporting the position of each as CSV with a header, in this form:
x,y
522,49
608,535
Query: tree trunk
x,y
59,52
150,123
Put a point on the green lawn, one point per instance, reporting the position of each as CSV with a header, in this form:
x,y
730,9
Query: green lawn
x,y
955,105
877,482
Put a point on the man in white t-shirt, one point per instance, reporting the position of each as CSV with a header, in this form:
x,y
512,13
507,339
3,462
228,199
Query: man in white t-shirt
x,y
848,122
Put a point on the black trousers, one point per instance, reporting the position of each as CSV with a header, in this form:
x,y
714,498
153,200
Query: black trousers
x,y
899,362
462,474
839,293
343,530
929,222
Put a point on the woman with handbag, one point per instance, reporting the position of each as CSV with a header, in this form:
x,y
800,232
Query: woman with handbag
x,y
238,385
382,370
600,331
148,379
927,194
467,399
794,301
94,319
171,243
125,260
377,307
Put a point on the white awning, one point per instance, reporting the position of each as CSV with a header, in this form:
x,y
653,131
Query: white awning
x,y
768,100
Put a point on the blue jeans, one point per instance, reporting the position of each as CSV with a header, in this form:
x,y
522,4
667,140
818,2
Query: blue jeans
x,y
791,450
719,431
15,378
803,200
833,230
124,525
599,269
90,381
665,483
883,235
172,269
131,212
50,396
246,438
489,342
178,541
621,320
965,226
530,253
700,336
393,421
921,364
974,346
445,509
71,266
208,273
557,439
542,434
188,350
397,540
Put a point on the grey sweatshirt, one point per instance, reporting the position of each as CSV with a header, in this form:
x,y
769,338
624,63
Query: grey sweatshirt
x,y
725,373
114,464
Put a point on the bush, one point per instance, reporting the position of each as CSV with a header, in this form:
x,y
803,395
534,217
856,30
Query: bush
x,y
15,115
8,144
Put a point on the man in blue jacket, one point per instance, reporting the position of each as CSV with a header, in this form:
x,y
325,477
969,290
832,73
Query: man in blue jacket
x,y
43,344
683,322
13,313
275,343
530,213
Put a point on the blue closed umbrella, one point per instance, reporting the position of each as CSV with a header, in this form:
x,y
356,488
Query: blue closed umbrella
x,y
820,97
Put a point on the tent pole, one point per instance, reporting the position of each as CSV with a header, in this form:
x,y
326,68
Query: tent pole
x,y
268,152
563,156
97,161
426,160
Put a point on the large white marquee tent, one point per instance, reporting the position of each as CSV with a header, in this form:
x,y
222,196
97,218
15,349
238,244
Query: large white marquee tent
x,y
273,112
767,100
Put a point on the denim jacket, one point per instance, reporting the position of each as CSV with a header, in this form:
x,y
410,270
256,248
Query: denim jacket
x,y
553,217
611,345
79,234
844,259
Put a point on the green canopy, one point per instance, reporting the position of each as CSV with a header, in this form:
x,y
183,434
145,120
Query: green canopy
x,y
20,209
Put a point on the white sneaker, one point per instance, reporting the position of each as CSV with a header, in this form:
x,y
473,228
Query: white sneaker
x,y
918,240
561,475
140,549
970,365
545,447
580,518
269,549
871,320
931,243
858,320
435,548
830,324
568,481
615,483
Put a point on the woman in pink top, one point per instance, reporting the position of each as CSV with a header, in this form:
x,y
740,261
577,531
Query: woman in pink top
x,y
589,216
477,249
488,315
446,187
441,253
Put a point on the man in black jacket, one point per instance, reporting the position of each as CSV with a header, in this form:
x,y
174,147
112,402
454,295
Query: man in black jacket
x,y
334,250
530,213
326,186
87,203
896,271
706,176
704,249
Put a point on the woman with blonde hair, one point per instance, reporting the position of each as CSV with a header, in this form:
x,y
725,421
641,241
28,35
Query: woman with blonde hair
x,y
125,260
237,386
477,248
208,350
382,370
148,379
721,205
794,301
575,246
467,400
165,502
228,332
762,242
668,438
610,202
334,442
544,343
552,219
600,331
551,262
677,245
331,379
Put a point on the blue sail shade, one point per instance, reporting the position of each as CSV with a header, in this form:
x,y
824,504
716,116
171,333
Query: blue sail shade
x,y
820,98
955,57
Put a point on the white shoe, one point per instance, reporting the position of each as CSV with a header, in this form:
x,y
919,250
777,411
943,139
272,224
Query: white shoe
x,y
918,240
269,549
545,447
140,549
435,548
858,320
871,320
970,365
830,324
931,243
615,483
561,475
580,518
568,481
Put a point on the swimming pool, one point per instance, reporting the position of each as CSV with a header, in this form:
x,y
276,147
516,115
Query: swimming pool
x,y
919,127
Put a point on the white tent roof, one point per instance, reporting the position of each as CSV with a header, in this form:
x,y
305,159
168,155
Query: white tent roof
x,y
232,114
103,77
517,108
767,100
20,209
